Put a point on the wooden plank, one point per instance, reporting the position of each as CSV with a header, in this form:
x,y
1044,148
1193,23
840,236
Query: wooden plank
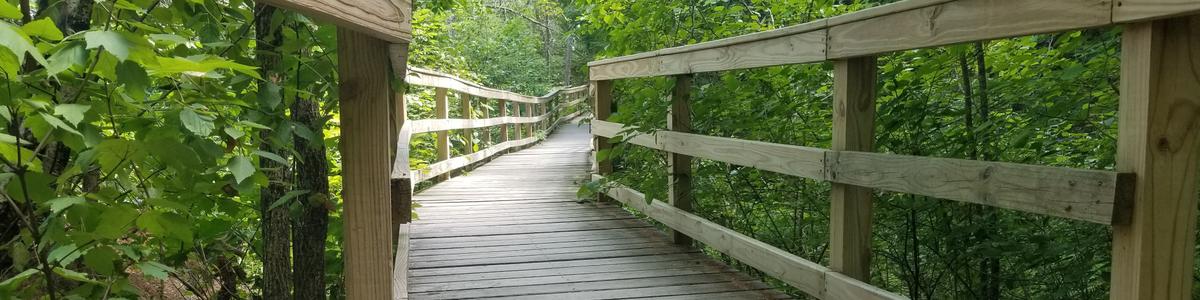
x,y
795,271
575,289
503,106
365,92
388,20
1158,132
598,263
464,105
963,21
400,264
1141,10
602,108
429,78
430,125
441,110
1087,195
800,161
683,261
442,168
533,228
795,48
676,289
549,257
572,278
853,129
839,286
679,166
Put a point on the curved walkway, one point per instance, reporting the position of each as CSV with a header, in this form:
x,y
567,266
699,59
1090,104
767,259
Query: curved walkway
x,y
512,229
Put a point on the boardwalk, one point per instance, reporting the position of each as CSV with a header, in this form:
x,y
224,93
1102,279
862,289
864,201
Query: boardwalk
x,y
512,229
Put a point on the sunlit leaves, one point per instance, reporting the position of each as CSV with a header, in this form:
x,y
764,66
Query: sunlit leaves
x,y
18,43
43,28
196,123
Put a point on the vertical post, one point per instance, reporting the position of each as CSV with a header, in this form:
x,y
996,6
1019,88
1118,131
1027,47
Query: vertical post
x,y
441,111
503,105
602,106
487,131
467,134
401,187
1157,140
529,113
679,119
365,92
545,123
518,128
853,130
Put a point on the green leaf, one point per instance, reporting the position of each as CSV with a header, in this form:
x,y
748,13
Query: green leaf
x,y
20,277
59,204
73,275
241,167
64,255
155,269
271,156
58,123
234,133
111,41
65,58
194,122
102,260
134,78
9,11
15,40
198,66
114,222
43,28
287,197
74,113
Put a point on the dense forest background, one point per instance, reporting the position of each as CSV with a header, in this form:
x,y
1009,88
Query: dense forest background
x,y
173,149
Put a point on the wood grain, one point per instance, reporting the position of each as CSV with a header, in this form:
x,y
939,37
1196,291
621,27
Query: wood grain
x,y
1140,10
679,166
787,49
400,264
441,110
963,21
388,20
1158,132
365,91
853,129
784,159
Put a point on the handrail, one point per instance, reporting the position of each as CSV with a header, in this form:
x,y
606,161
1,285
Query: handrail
x,y
1153,221
904,25
429,78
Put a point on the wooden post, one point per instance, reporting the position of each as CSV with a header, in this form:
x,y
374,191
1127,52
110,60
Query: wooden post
x,y
487,131
1157,139
503,105
441,110
854,130
679,166
519,129
545,123
602,107
401,187
467,134
367,213
529,113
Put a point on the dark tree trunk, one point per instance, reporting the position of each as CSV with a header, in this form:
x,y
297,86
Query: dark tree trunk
x,y
228,276
991,264
276,229
312,226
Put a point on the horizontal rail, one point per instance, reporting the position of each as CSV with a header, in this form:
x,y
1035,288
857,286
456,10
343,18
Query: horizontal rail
x,y
810,277
1088,195
452,164
430,125
389,20
430,78
904,25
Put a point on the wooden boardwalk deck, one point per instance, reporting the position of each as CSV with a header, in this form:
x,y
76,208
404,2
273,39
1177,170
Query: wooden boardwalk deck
x,y
512,229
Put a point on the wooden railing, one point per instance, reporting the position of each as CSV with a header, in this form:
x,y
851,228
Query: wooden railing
x,y
1150,200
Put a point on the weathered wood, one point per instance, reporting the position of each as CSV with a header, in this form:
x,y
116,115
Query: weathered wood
x,y
602,108
1158,132
429,78
517,109
365,92
400,264
797,272
429,125
1088,195
441,110
1137,10
503,106
963,21
443,167
811,278
854,130
800,161
679,166
388,20
468,136
796,48
401,187
529,127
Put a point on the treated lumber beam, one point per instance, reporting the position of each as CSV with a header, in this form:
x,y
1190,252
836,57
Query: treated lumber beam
x,y
853,129
800,161
387,20
441,110
804,47
400,264
503,106
428,78
602,107
1142,10
679,166
365,92
446,166
1157,138
464,102
1088,195
807,276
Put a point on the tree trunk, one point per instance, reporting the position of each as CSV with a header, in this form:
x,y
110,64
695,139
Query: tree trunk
x,y
275,224
312,226
991,264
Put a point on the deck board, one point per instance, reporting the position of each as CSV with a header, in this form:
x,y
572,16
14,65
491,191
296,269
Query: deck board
x,y
512,229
